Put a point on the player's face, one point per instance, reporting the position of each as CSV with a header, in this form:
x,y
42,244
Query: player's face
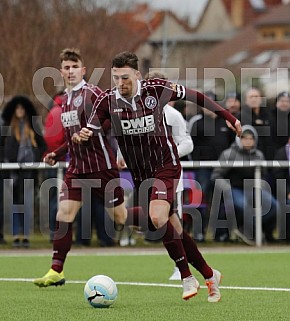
x,y
125,79
72,72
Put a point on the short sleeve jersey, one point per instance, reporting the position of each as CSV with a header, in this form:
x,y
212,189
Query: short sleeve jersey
x,y
140,126
97,154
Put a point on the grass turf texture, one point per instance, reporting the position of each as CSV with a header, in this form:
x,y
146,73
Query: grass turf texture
x,y
24,301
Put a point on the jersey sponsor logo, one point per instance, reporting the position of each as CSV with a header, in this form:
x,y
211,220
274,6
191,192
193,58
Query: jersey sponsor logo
x,y
70,118
78,101
150,102
138,125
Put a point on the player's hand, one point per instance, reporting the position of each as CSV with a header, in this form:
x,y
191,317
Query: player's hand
x,y
49,158
85,134
76,138
121,164
237,128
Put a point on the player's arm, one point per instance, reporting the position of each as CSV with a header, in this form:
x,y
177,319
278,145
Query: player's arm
x,y
99,120
169,91
203,101
55,156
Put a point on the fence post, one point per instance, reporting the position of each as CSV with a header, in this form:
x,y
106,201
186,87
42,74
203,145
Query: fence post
x,y
258,205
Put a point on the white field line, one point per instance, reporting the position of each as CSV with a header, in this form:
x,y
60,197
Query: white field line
x,y
247,288
144,252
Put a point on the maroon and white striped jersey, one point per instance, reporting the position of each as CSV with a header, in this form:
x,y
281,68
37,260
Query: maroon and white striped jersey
x,y
139,125
97,154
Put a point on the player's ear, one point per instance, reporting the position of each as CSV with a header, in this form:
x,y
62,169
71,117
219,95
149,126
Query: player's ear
x,y
138,75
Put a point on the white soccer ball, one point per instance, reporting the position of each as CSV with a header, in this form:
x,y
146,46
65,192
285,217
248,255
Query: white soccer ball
x,y
100,291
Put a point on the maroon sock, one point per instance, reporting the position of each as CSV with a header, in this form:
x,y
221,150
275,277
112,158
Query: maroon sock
x,y
62,242
174,247
137,217
194,257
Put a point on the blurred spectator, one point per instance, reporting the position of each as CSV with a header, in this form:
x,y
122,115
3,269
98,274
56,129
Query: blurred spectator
x,y
232,180
283,190
280,120
255,113
2,240
22,144
54,136
211,136
233,103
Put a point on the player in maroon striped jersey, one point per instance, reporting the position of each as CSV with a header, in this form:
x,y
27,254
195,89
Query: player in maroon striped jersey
x,y
92,165
135,110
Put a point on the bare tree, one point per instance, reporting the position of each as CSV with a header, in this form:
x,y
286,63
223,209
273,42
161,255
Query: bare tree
x,y
33,32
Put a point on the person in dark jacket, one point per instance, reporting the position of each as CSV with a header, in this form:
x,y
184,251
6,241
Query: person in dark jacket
x,y
256,113
280,120
22,143
282,176
210,135
239,181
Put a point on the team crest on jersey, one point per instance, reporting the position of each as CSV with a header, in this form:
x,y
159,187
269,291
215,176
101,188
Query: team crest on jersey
x,y
150,102
78,101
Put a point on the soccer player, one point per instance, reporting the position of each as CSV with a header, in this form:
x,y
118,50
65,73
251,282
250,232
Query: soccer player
x,y
135,111
183,141
91,165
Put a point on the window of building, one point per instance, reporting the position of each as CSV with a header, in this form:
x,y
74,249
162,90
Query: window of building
x,y
269,35
287,34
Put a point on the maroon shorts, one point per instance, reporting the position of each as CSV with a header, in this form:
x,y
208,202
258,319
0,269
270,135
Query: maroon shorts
x,y
162,186
105,185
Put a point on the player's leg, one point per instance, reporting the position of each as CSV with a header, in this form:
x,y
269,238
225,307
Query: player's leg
x,y
158,212
62,242
70,203
175,221
195,258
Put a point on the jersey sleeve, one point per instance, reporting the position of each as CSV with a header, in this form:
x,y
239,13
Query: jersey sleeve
x,y
203,101
167,90
100,113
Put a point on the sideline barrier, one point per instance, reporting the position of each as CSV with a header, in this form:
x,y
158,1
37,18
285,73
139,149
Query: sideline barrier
x,y
258,165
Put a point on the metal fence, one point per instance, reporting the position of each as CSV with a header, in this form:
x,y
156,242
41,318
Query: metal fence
x,y
258,165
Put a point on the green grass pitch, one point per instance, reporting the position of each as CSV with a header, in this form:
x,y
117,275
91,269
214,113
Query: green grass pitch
x,y
256,286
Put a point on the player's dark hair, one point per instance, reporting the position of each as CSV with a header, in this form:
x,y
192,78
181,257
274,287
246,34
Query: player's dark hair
x,y
72,54
125,58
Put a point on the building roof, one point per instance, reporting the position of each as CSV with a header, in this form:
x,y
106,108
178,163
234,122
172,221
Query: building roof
x,y
252,9
142,21
245,49
279,15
